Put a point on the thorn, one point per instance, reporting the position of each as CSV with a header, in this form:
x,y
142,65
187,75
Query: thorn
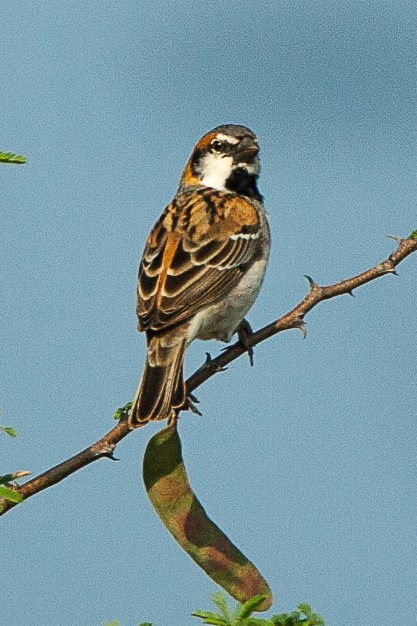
x,y
399,240
193,398
106,451
111,456
392,270
301,325
350,293
312,283
206,364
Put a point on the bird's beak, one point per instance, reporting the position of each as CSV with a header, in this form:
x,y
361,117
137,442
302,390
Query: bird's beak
x,y
247,149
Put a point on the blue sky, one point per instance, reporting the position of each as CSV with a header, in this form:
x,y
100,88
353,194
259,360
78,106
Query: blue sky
x,y
307,460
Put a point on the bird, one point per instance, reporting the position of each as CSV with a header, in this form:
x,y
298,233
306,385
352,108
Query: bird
x,y
202,267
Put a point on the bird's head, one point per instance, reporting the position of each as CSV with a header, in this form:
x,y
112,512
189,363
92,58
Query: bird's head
x,y
226,159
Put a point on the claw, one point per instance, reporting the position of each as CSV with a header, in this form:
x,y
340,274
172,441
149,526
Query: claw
x,y
244,331
193,398
190,406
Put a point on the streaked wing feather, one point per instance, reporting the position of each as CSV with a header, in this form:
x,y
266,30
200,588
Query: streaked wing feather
x,y
196,264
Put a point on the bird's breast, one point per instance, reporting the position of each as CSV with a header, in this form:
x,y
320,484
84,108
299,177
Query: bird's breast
x,y
220,320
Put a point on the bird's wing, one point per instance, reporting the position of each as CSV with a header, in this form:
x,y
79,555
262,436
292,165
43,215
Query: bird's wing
x,y
195,254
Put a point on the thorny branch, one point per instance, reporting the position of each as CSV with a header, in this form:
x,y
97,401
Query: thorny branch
x,y
105,446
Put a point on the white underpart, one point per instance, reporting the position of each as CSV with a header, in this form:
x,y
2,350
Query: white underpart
x,y
221,320
215,170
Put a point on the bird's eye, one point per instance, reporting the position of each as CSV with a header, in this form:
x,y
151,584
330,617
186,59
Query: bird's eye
x,y
219,146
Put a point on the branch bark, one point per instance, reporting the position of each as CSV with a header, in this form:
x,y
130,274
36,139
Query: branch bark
x,y
105,446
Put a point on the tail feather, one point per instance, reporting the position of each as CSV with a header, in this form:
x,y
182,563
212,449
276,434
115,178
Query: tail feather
x,y
162,387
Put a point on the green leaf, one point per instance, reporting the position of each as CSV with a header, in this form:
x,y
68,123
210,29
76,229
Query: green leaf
x,y
220,600
286,619
305,608
10,157
211,618
312,618
10,494
145,624
249,607
414,234
315,620
123,411
9,431
115,622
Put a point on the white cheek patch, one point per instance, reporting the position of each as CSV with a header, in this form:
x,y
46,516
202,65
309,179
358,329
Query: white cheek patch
x,y
244,236
215,170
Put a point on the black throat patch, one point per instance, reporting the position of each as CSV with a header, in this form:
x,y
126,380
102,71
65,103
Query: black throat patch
x,y
242,182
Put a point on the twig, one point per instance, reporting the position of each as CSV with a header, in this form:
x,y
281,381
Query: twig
x,y
105,446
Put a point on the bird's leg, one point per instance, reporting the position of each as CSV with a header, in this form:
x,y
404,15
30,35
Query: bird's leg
x,y
244,331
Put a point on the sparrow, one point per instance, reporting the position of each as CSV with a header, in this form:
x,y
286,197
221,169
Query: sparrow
x,y
202,267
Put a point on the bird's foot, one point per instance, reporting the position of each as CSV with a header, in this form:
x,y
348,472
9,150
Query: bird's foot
x,y
190,404
244,332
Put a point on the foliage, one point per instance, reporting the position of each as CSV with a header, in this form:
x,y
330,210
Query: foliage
x,y
8,430
242,614
8,487
10,157
122,411
8,493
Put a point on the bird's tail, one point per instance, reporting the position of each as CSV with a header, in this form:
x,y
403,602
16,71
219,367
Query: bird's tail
x,y
161,390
